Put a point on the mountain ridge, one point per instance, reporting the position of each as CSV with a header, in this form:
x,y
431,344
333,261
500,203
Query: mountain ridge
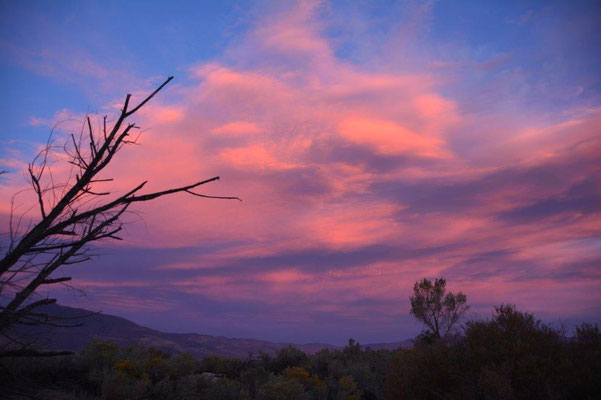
x,y
125,333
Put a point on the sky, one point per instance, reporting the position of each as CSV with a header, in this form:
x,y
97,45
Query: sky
x,y
373,143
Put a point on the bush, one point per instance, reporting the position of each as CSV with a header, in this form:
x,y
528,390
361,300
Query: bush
x,y
223,389
183,364
285,357
512,356
120,386
282,389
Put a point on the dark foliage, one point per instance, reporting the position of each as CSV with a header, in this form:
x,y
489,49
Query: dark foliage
x,y
512,356
440,311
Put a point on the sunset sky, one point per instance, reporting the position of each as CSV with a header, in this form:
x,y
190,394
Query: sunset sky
x,y
373,143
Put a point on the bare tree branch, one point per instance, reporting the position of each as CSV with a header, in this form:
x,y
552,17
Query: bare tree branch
x,y
72,215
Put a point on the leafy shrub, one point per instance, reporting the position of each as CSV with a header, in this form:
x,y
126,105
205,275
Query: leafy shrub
x,y
282,389
120,386
285,357
223,389
511,356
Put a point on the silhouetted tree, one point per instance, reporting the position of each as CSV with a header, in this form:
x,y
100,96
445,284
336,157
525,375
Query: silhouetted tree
x,y
438,310
72,214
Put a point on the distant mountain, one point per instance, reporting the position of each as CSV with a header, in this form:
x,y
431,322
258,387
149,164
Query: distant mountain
x,y
125,332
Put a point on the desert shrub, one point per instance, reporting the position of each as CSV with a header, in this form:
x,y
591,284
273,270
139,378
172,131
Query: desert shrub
x,y
336,368
517,349
348,389
364,378
320,363
99,354
228,367
189,387
253,378
163,390
223,389
279,388
511,356
426,372
118,385
146,362
582,371
285,357
314,387
183,364
57,377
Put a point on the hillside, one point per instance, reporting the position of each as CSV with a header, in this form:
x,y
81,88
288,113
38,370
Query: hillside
x,y
124,332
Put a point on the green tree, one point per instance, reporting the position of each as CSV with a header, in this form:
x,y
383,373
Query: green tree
x,y
434,307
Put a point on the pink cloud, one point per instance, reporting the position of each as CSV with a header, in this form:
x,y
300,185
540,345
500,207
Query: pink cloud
x,y
253,157
333,157
165,114
388,137
237,128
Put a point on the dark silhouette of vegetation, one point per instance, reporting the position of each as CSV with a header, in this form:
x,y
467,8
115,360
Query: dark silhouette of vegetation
x,y
103,370
440,311
511,356
72,214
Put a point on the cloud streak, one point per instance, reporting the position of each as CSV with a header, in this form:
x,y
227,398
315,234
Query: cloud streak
x,y
358,178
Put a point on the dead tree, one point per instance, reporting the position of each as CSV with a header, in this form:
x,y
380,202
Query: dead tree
x,y
72,215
